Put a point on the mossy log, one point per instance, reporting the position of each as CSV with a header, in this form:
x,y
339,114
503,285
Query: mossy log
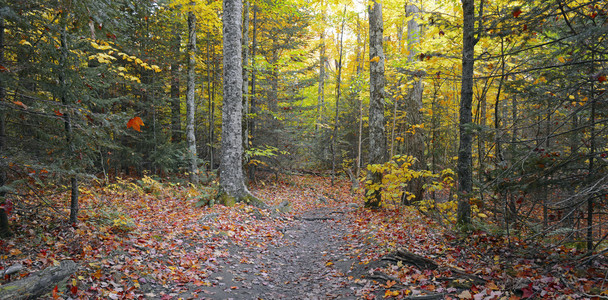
x,y
39,283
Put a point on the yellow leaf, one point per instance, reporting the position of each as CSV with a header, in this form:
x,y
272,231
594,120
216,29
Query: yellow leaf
x,y
24,42
375,59
15,251
329,263
390,293
561,59
482,215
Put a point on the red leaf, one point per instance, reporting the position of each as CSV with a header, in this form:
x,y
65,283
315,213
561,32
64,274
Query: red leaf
x,y
3,69
516,12
74,290
57,112
601,78
55,293
135,123
7,206
528,292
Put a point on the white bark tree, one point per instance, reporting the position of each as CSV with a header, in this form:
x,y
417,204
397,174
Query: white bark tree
x,y
190,105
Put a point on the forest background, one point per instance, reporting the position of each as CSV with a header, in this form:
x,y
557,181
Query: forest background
x,y
492,114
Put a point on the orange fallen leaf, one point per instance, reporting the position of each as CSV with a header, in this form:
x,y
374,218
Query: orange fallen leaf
x,y
15,251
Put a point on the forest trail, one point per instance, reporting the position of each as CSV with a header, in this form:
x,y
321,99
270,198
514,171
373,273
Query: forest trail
x,y
307,262
157,242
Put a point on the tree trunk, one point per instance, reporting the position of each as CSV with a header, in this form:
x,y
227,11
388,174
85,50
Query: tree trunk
x,y
592,150
415,105
69,134
232,184
253,96
245,45
338,94
377,135
4,226
191,137
321,89
465,161
176,126
360,58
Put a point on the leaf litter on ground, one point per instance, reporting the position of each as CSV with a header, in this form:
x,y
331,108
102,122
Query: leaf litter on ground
x,y
141,243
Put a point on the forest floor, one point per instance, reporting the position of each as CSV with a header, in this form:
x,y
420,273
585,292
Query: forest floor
x,y
144,239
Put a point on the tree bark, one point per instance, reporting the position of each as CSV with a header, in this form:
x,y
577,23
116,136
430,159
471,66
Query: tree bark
x,y
415,105
465,162
4,225
245,52
338,94
69,133
377,135
253,108
191,137
232,184
321,88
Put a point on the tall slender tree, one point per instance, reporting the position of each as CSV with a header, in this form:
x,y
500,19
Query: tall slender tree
x,y
417,147
176,126
465,156
4,225
190,134
377,135
66,101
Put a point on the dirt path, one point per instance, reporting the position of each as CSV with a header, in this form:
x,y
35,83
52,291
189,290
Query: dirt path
x,y
307,262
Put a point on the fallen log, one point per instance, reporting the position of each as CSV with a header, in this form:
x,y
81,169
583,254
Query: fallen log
x,y
39,283
409,258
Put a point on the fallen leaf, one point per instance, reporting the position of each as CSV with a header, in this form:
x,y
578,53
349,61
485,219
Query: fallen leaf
x,y
465,295
390,293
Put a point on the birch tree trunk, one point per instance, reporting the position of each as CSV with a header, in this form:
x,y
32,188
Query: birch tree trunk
x,y
465,161
191,137
377,135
